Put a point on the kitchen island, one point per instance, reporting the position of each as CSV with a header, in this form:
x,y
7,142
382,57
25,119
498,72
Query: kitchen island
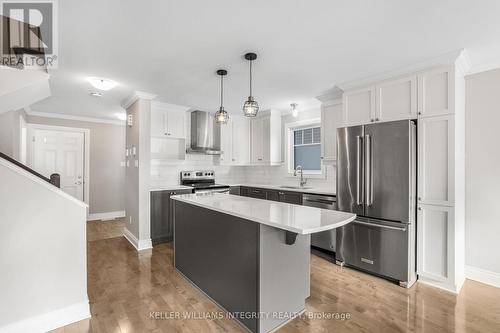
x,y
250,256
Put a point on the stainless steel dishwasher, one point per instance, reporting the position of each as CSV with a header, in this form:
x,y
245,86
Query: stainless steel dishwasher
x,y
325,240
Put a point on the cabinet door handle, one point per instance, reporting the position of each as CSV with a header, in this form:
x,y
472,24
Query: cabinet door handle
x,y
419,208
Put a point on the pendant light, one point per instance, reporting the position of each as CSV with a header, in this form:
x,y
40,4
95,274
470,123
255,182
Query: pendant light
x,y
251,107
295,112
221,116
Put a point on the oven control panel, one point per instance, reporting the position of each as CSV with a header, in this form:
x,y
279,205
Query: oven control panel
x,y
197,174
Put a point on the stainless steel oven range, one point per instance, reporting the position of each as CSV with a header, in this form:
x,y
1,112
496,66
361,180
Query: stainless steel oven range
x,y
203,181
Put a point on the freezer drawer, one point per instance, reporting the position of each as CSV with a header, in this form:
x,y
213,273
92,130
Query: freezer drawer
x,y
380,248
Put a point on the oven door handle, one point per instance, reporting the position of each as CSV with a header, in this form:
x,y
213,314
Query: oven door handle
x,y
225,190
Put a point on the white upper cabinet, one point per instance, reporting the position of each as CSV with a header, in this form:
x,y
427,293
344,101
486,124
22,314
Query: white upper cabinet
x,y
235,142
258,139
241,141
266,139
436,92
167,122
226,142
396,99
435,234
436,160
176,124
331,119
359,106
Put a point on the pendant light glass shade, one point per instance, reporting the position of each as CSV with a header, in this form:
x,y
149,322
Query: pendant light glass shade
x,y
251,107
221,116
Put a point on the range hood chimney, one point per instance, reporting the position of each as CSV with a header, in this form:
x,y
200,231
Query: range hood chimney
x,y
205,134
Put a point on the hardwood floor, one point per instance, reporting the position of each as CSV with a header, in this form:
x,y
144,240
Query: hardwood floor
x,y
124,286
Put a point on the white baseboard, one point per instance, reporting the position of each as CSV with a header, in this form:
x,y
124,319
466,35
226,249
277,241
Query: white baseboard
x,y
483,275
139,245
51,320
455,289
106,216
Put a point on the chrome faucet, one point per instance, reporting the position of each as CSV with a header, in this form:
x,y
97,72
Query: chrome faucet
x,y
302,181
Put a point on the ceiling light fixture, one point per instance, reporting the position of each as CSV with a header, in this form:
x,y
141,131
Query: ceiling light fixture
x,y
251,107
96,94
295,112
221,116
102,84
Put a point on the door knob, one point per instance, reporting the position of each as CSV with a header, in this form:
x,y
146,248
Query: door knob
x,y
78,183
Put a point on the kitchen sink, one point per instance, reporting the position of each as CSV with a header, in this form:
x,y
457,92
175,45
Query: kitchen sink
x,y
296,187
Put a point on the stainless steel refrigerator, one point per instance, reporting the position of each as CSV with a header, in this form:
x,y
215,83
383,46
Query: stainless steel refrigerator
x,y
376,179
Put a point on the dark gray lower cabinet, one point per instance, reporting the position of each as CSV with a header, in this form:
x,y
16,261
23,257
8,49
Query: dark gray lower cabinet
x,y
291,197
274,195
161,215
235,190
257,193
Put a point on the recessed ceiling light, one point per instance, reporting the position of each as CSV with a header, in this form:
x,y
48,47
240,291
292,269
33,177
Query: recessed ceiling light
x,y
102,84
96,94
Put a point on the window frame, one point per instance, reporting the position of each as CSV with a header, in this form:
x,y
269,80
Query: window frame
x,y
290,128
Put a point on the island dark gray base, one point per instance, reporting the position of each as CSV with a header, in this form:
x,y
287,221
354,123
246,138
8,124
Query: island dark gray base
x,y
244,266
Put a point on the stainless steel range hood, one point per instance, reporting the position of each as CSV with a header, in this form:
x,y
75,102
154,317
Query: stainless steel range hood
x,y
205,134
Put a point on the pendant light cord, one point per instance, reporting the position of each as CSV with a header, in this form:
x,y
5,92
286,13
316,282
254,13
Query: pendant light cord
x,y
251,77
221,91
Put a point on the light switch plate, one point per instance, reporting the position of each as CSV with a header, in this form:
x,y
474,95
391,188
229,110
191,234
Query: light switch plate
x,y
136,163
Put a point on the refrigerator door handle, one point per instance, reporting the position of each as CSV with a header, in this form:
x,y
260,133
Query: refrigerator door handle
x,y
359,167
368,170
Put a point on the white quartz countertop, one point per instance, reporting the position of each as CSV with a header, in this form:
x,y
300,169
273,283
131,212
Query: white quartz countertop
x,y
295,218
170,187
306,189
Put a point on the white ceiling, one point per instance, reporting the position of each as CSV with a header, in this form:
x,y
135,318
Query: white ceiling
x,y
173,48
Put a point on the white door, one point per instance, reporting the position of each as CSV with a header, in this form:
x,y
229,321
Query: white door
x,y
436,92
396,99
176,123
359,106
331,119
60,152
435,234
226,143
158,122
435,162
257,140
241,141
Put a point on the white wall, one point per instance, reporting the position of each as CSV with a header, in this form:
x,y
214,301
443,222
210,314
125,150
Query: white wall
x,y
482,172
10,132
107,152
137,177
42,254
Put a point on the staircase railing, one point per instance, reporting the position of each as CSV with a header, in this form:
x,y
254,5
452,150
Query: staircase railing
x,y
55,178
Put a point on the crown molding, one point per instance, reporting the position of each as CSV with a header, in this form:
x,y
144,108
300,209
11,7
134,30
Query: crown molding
x,y
331,96
170,107
127,102
29,112
447,59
